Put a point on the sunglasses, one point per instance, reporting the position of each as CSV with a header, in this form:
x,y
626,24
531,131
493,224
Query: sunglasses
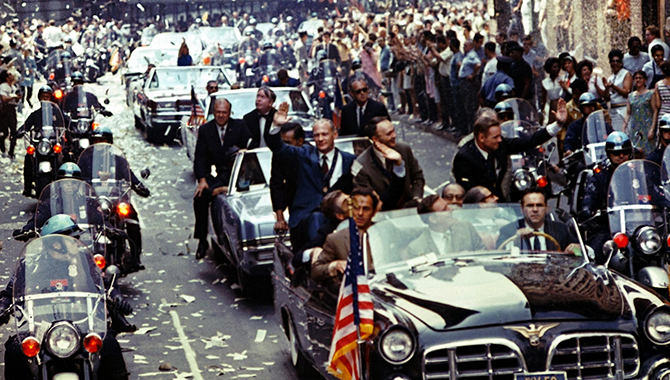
x,y
450,197
620,153
361,90
213,88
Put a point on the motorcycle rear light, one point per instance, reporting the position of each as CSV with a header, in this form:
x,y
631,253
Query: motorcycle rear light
x,y
322,94
58,148
668,241
597,169
123,209
92,343
242,61
207,60
58,94
30,347
621,240
266,78
540,149
95,125
100,261
52,76
542,181
30,150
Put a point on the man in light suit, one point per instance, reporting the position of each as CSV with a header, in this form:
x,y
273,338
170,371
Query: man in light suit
x,y
329,267
535,211
357,114
320,170
446,234
218,142
384,161
259,121
302,55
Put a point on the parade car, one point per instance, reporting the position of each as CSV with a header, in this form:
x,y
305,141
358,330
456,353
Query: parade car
x,y
164,97
242,102
442,313
221,44
138,63
242,220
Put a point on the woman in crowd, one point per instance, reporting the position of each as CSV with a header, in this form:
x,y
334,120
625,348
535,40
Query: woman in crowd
x,y
8,111
569,65
595,82
551,88
640,112
618,85
661,98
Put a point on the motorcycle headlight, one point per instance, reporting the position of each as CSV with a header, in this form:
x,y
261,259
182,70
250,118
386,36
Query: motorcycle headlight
x,y
45,167
82,126
84,143
396,345
62,340
522,179
44,147
648,240
657,326
105,204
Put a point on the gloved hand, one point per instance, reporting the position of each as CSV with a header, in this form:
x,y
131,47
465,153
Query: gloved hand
x,y
123,306
106,113
142,191
584,215
117,233
21,235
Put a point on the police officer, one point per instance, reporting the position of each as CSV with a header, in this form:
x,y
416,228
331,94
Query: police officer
x,y
504,111
573,138
663,139
71,100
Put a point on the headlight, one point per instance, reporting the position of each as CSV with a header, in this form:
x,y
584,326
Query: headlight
x,y
396,346
648,240
522,179
44,147
105,204
82,126
84,143
45,167
62,340
657,326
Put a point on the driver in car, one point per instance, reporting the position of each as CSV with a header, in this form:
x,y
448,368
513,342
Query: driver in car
x,y
535,209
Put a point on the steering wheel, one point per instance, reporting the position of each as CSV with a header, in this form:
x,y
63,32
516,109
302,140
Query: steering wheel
x,y
533,233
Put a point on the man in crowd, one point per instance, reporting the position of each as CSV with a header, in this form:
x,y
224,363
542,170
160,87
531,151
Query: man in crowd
x,y
282,175
520,71
635,59
491,61
218,141
663,139
535,219
302,55
453,193
357,114
258,121
330,49
469,85
283,80
483,160
653,37
388,167
212,87
573,138
487,96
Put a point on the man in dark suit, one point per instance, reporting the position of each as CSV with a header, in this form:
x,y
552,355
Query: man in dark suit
x,y
218,141
483,160
259,121
329,50
282,175
535,210
388,167
283,80
357,114
329,266
320,169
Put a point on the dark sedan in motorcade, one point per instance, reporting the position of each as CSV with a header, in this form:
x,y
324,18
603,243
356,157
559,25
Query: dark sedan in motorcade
x,y
164,98
139,62
442,312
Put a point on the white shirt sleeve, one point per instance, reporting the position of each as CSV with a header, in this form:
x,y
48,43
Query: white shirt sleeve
x,y
553,129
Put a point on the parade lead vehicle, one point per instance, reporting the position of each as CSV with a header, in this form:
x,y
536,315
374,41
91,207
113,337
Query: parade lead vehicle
x,y
483,315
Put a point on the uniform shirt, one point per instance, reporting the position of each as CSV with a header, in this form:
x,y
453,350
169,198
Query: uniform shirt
x,y
453,74
470,60
489,86
490,69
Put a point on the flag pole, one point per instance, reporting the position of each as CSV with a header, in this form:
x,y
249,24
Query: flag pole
x,y
359,341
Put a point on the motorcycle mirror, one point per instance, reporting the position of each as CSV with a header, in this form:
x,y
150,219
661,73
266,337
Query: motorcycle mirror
x,y
112,270
145,173
106,101
610,249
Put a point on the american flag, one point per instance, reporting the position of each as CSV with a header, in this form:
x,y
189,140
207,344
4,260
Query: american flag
x,y
197,113
354,316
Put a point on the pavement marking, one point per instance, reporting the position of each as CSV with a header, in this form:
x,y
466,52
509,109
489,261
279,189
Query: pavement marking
x,y
183,339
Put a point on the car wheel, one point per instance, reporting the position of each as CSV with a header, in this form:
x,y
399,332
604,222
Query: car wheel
x,y
245,281
150,135
297,358
218,251
138,123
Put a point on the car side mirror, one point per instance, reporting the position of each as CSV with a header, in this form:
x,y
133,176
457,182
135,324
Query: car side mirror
x,y
145,173
610,249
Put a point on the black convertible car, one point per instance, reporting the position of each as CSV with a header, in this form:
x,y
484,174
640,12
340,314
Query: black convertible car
x,y
445,313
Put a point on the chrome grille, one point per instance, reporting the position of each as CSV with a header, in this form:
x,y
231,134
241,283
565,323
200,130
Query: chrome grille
x,y
484,360
594,356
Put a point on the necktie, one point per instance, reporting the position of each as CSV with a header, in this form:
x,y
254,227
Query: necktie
x,y
324,165
536,243
222,133
360,116
447,243
491,162
262,121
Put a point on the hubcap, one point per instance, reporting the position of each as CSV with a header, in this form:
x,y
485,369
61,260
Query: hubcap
x,y
293,344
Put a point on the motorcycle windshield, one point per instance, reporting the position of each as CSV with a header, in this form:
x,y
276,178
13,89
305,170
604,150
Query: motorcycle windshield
x,y
329,69
78,200
594,135
517,128
105,168
523,110
270,62
54,58
48,118
57,280
665,172
83,110
636,197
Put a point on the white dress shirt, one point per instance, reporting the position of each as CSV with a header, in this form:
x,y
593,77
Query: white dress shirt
x,y
337,171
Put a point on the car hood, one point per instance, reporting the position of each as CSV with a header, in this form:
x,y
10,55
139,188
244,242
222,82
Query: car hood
x,y
173,95
487,291
255,211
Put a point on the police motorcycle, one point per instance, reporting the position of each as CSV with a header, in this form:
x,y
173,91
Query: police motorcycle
x,y
44,146
326,81
247,59
90,65
82,117
268,64
59,306
637,209
59,63
106,169
284,46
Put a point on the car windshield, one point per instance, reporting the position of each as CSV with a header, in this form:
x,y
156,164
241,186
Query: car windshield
x,y
245,102
406,238
141,57
184,79
174,40
223,35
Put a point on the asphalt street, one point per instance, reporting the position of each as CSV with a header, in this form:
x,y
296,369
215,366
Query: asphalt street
x,y
192,321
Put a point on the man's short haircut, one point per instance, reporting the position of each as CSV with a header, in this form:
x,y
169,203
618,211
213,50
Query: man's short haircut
x,y
579,84
656,48
267,91
654,31
298,131
282,74
490,46
483,124
478,37
615,53
329,206
456,43
327,122
440,39
426,204
634,39
533,190
211,81
474,195
502,35
444,189
224,101
528,37
356,78
371,127
326,33
367,191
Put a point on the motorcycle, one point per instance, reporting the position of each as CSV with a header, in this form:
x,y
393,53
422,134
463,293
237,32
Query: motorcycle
x,y
90,64
60,70
268,65
326,82
105,168
245,70
82,122
45,146
637,208
59,307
